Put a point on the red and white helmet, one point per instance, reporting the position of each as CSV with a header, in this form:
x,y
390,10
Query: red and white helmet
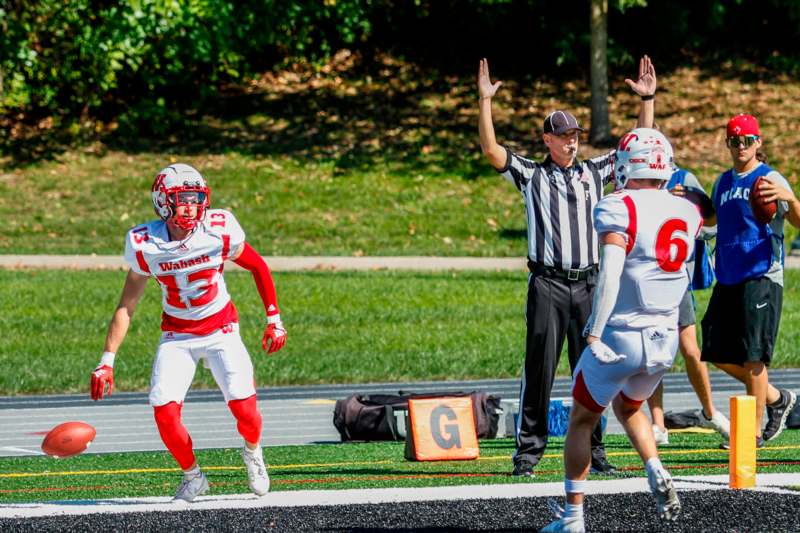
x,y
180,185
643,154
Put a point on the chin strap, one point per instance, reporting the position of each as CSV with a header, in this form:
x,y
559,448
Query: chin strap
x,y
605,295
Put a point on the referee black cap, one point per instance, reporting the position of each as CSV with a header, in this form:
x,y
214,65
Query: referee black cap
x,y
560,122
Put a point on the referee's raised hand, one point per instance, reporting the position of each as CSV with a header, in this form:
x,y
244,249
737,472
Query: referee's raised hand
x,y
486,88
645,84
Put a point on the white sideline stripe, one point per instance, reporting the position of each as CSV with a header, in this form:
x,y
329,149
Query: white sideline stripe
x,y
23,450
308,498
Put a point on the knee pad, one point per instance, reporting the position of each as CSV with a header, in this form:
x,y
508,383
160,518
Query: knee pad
x,y
173,433
248,418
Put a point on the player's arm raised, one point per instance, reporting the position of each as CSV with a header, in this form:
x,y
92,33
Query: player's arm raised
x,y
274,333
104,373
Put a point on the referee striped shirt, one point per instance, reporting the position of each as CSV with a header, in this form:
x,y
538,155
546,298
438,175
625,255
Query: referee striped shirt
x,y
559,204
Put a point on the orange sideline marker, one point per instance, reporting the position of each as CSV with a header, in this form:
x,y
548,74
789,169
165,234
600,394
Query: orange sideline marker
x,y
441,429
742,459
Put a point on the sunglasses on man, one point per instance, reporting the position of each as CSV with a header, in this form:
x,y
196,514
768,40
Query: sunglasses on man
x,y
743,140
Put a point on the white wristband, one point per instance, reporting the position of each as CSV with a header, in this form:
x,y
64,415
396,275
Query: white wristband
x,y
274,319
107,359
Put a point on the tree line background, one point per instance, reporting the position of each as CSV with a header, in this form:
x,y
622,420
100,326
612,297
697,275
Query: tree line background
x,y
150,66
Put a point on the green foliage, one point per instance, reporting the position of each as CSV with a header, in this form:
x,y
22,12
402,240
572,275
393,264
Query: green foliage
x,y
154,66
151,61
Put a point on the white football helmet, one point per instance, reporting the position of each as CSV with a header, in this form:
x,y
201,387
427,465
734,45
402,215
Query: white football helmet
x,y
180,185
643,153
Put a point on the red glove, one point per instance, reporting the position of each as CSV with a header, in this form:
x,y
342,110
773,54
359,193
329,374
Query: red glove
x,y
102,374
274,332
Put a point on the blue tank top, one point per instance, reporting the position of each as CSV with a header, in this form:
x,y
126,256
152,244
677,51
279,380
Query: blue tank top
x,y
703,272
744,246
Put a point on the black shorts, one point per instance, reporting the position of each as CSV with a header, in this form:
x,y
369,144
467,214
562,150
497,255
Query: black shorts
x,y
741,323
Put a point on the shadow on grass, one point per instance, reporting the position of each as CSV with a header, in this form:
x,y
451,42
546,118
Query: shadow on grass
x,y
513,233
357,113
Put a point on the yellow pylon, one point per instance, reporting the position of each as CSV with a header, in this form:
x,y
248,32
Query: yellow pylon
x,y
742,459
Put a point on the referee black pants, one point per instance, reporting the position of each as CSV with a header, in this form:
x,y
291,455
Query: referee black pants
x,y
556,308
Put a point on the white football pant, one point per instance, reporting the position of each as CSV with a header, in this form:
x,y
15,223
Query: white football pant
x,y
650,353
223,353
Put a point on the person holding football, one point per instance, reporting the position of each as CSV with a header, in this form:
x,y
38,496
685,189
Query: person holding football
x,y
684,183
740,326
185,251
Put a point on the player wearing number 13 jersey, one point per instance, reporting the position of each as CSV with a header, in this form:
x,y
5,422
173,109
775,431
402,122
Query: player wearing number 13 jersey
x,y
646,235
185,252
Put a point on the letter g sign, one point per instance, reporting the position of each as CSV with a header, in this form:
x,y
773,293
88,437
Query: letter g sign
x,y
446,436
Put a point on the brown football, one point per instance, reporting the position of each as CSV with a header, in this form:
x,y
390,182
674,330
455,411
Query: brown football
x,y
68,439
764,213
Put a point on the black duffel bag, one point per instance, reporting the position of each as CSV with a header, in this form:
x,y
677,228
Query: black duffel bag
x,y
371,417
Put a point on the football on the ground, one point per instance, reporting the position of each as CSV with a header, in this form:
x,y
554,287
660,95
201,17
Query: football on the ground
x,y
68,439
764,213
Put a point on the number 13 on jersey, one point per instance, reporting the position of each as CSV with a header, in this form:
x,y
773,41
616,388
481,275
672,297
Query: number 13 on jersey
x,y
191,294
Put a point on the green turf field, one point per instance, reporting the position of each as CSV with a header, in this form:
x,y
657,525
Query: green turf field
x,y
351,465
343,328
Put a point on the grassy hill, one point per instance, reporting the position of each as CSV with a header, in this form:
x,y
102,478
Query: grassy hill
x,y
346,160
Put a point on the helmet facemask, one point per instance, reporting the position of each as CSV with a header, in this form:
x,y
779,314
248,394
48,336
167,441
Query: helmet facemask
x,y
180,187
188,197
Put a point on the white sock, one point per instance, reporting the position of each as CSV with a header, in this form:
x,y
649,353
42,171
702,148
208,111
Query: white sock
x,y
573,510
194,472
254,451
654,465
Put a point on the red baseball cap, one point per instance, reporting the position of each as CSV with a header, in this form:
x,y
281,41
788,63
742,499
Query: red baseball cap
x,y
743,124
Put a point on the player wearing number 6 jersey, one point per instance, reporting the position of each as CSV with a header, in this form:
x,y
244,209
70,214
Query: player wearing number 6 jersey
x,y
185,251
632,334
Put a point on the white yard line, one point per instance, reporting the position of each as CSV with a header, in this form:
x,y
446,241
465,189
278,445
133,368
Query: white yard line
x,y
766,482
22,450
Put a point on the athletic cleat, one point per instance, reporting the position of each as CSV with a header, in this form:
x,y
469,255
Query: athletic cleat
x,y
600,464
718,422
777,414
568,525
523,468
572,524
669,507
192,487
256,471
661,435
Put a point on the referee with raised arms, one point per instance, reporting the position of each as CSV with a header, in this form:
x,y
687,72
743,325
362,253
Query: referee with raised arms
x,y
559,194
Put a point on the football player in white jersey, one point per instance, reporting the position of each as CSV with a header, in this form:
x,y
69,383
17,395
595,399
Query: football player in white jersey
x,y
185,251
646,234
